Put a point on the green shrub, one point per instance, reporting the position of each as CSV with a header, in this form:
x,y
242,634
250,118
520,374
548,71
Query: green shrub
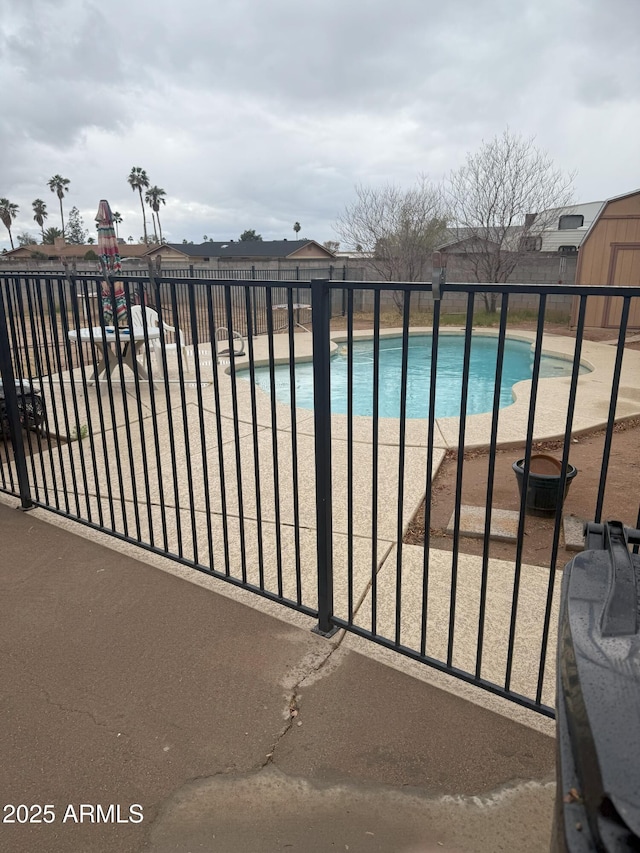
x,y
79,434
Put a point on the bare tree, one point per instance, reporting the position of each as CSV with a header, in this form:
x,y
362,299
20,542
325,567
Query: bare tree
x,y
501,201
397,228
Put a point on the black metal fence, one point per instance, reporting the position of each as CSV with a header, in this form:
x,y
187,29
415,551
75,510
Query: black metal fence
x,y
278,466
84,288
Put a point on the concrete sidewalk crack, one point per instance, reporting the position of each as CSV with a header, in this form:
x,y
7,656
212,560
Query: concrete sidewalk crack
x,y
83,711
309,668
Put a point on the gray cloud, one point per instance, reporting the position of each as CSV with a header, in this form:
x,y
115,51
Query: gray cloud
x,y
254,114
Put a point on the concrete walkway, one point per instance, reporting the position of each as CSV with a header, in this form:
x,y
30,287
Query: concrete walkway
x,y
233,731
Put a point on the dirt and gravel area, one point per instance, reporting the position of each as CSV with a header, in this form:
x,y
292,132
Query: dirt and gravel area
x,y
621,497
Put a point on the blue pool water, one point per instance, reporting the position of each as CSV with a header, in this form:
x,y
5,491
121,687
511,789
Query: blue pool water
x,y
517,365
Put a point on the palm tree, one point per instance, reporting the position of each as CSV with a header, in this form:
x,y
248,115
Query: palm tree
x,y
138,180
49,236
117,219
40,211
154,198
149,198
60,186
296,228
8,213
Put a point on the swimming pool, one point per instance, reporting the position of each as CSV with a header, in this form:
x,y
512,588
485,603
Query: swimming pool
x,y
517,365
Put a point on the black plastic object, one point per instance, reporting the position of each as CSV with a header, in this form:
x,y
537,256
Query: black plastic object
x,y
30,408
598,696
544,484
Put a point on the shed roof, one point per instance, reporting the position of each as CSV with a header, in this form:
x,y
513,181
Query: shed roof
x,y
603,208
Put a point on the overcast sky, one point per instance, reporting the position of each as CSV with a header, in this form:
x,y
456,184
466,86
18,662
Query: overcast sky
x,y
258,113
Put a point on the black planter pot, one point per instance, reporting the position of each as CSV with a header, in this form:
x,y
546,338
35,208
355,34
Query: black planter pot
x,y
543,488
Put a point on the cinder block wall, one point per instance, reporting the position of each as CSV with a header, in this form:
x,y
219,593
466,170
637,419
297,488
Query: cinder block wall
x,y
537,268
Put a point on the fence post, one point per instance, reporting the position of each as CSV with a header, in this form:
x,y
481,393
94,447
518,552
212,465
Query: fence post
x,y
11,404
254,302
320,315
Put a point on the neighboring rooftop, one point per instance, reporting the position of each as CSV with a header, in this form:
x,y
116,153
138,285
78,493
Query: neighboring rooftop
x,y
69,251
228,249
247,249
566,227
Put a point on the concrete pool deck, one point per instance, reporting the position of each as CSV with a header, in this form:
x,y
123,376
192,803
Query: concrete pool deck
x,y
160,499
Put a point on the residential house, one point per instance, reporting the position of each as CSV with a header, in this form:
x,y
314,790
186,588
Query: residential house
x,y
563,231
243,252
61,251
566,228
238,252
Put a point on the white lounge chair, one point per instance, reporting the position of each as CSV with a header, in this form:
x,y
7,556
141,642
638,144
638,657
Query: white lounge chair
x,y
178,343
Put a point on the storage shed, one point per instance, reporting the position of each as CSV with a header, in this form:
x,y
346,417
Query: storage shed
x,y
610,254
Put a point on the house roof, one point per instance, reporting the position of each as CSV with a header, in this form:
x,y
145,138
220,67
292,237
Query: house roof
x,y
265,249
466,237
134,250
243,248
454,236
74,250
586,208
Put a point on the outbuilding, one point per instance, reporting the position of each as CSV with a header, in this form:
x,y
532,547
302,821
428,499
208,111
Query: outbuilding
x,y
610,255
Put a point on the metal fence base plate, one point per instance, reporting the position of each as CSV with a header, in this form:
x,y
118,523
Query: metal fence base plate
x,y
327,634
